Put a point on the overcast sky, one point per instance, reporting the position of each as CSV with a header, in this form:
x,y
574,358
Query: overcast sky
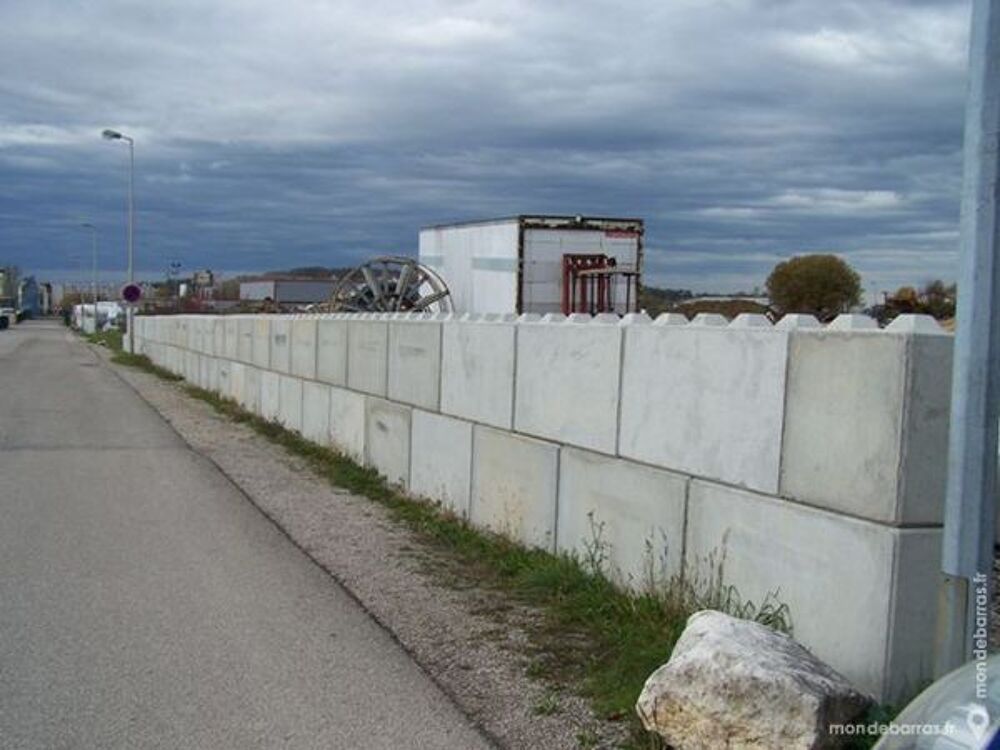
x,y
305,132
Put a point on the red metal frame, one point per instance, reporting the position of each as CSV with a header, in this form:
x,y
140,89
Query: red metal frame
x,y
588,283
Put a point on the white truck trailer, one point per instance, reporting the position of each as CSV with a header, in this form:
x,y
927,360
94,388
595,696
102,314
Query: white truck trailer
x,y
538,264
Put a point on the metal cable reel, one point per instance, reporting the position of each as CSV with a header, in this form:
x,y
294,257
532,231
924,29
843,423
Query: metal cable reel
x,y
390,284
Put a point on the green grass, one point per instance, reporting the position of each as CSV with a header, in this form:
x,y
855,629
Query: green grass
x,y
111,339
592,637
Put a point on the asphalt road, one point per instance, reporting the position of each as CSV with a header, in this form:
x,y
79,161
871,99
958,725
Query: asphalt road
x,y
145,603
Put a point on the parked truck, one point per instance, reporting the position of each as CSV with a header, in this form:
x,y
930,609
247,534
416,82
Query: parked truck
x,y
538,264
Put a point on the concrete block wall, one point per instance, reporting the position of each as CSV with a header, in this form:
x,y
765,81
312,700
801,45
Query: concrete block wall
x,y
803,459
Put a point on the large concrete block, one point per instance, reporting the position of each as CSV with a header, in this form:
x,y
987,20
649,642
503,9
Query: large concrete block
x,y
851,601
250,399
477,371
866,423
304,348
568,382
441,460
206,335
246,329
218,337
290,403
387,439
204,379
180,338
212,377
628,515
913,622
705,400
270,390
195,334
281,345
331,351
368,356
514,482
415,362
191,366
231,338
316,412
262,342
237,382
347,423
223,376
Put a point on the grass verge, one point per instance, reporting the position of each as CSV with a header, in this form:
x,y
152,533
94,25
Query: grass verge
x,y
111,339
592,637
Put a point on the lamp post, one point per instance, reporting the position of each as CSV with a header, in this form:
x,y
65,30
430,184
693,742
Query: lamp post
x,y
93,268
114,135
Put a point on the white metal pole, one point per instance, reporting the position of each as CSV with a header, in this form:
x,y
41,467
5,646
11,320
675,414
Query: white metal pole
x,y
131,207
970,504
93,271
129,310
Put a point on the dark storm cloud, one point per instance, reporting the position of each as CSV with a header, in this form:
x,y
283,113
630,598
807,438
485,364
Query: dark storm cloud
x,y
319,133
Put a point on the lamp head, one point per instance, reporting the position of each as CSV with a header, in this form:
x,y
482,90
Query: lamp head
x,y
112,135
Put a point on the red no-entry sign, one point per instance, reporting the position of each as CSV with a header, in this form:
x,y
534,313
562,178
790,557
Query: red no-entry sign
x,y
131,293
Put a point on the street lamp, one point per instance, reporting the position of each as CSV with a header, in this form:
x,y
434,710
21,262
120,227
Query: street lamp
x,y
114,135
93,269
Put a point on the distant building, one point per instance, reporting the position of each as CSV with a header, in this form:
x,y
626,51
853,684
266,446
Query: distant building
x,y
538,264
287,291
8,286
203,278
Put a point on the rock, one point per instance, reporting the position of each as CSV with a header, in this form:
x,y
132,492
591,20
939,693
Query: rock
x,y
732,683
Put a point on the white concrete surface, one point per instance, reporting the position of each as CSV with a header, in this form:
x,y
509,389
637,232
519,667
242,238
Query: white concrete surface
x,y
331,351
705,400
191,366
843,421
924,465
262,342
477,371
250,399
245,326
304,348
916,575
347,423
270,385
567,383
387,440
514,481
290,402
237,381
316,412
441,460
281,345
856,440
219,337
836,574
415,362
627,515
368,356
223,375
231,338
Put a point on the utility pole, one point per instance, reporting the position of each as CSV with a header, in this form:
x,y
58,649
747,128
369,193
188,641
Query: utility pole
x,y
970,505
114,135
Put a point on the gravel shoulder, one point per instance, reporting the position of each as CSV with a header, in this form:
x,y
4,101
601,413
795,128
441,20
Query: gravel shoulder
x,y
470,641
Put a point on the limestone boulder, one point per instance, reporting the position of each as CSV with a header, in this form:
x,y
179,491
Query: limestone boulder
x,y
732,683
